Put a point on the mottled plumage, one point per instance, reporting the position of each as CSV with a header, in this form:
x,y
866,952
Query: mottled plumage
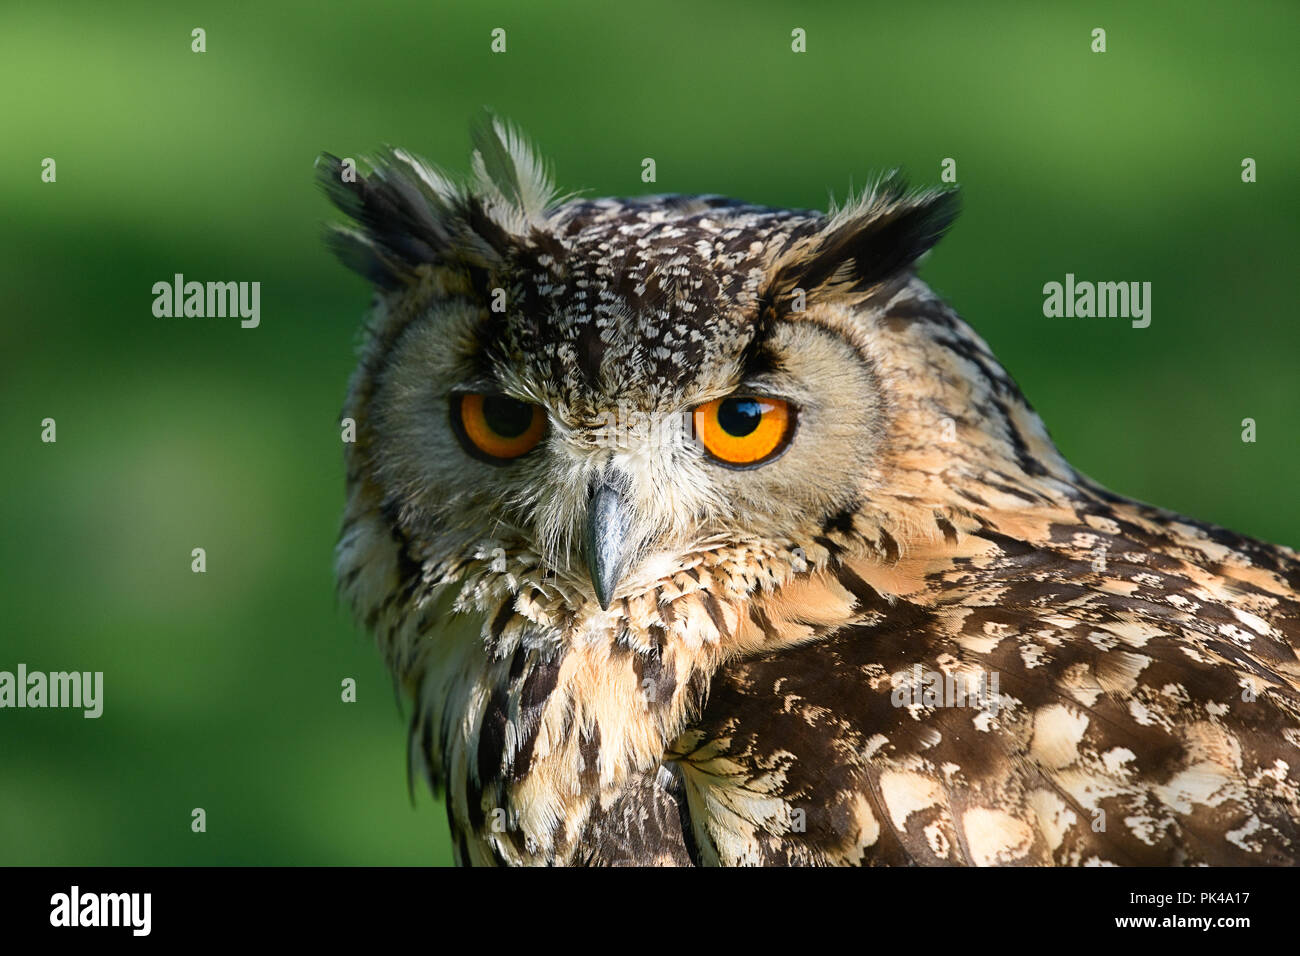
x,y
737,702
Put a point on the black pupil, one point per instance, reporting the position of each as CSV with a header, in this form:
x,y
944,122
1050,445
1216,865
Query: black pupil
x,y
739,416
506,416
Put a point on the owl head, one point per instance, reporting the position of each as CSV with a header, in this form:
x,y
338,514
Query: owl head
x,y
562,404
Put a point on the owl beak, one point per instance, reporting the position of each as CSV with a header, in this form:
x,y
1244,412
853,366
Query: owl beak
x,y
607,540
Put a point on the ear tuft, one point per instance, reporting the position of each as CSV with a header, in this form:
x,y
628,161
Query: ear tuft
x,y
404,214
867,241
510,177
407,214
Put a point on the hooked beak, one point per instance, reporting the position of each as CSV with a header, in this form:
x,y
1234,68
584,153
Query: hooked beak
x,y
607,540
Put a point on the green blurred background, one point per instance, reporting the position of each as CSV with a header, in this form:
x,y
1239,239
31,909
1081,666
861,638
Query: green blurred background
x,y
223,689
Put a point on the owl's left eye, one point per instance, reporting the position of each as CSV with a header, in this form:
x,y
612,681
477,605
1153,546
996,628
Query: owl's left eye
x,y
742,431
496,428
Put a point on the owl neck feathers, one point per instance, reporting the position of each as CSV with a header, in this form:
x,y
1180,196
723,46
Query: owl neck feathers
x,y
964,443
568,706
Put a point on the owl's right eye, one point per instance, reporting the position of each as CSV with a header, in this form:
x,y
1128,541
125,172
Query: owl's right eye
x,y
496,428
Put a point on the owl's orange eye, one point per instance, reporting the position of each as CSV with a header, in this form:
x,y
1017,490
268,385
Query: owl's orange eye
x,y
743,431
496,428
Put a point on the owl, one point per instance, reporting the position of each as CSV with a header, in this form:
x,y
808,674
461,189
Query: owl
x,y
705,533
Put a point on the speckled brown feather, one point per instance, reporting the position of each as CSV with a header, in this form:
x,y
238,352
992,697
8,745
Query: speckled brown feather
x,y
736,702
